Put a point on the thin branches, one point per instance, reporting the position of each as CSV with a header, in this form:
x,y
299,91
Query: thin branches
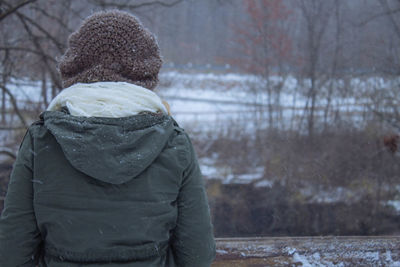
x,y
389,14
54,40
13,9
28,50
59,20
14,104
39,48
105,4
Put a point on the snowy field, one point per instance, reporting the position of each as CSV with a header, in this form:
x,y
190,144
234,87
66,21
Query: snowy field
x,y
209,104
210,101
207,101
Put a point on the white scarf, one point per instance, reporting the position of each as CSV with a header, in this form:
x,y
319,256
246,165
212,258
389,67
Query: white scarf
x,y
107,99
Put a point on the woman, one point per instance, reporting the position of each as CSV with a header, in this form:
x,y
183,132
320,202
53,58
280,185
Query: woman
x,y
106,177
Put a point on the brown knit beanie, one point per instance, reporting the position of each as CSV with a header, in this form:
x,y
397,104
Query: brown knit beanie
x,y
111,46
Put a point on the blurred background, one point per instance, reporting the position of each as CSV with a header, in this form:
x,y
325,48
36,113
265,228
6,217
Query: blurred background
x,y
292,105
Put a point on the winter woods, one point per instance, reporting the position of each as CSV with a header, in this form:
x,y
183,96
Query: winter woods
x,y
293,104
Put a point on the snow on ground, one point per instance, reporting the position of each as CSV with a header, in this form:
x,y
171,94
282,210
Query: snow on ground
x,y
214,100
373,258
319,194
314,261
395,204
209,100
315,251
212,170
232,90
211,103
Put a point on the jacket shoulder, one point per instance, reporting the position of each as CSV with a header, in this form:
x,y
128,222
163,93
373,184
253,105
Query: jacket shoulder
x,y
33,130
30,130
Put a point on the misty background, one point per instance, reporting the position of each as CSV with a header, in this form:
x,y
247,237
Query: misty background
x,y
292,105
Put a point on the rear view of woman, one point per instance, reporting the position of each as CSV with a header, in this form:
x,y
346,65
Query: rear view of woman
x,y
106,177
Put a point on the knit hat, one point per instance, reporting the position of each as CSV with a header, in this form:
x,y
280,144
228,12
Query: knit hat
x,y
111,46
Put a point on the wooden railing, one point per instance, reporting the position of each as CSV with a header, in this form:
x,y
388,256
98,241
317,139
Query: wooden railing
x,y
308,251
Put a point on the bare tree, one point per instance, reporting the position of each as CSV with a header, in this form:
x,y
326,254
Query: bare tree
x,y
263,47
338,18
316,15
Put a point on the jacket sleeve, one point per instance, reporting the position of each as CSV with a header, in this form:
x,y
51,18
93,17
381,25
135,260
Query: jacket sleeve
x,y
193,240
19,235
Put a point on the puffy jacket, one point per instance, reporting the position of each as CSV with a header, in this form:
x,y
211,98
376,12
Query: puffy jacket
x,y
106,192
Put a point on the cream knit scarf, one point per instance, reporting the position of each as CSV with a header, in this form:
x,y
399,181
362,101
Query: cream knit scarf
x,y
108,99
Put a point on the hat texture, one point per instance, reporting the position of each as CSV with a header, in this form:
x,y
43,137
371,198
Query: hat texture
x,y
111,46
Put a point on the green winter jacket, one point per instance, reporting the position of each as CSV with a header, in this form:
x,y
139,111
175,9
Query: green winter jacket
x,y
106,192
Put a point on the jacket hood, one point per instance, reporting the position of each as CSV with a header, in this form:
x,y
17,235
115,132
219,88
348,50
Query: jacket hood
x,y
112,150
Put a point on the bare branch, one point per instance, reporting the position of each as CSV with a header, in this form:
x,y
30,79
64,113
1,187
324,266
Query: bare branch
x,y
14,104
10,128
390,13
29,50
136,6
59,46
40,50
8,152
52,17
6,75
77,13
13,9
373,17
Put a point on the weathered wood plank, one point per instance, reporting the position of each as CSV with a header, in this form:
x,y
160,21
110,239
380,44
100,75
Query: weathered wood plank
x,y
309,251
